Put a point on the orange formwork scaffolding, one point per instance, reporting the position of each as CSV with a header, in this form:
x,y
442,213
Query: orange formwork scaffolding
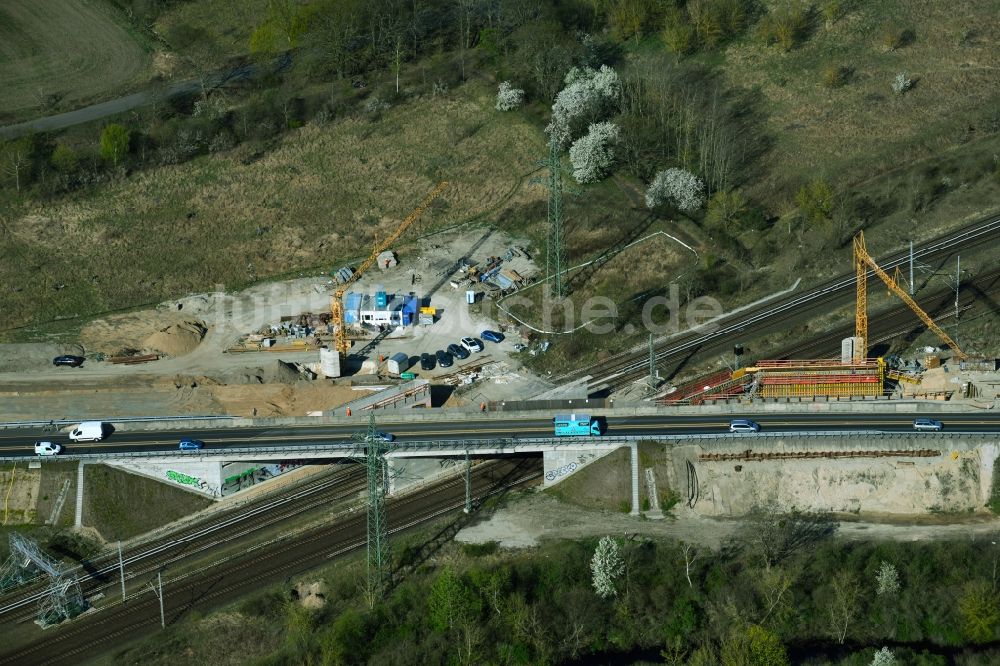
x,y
819,377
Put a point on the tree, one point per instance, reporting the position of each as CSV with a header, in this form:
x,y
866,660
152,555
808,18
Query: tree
x,y
815,199
509,97
884,657
629,17
754,646
17,159
726,210
65,159
451,602
593,155
886,580
844,604
679,187
588,95
607,566
114,143
980,612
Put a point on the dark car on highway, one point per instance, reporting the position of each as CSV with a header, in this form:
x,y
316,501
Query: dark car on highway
x,y
191,445
426,361
445,359
67,359
459,351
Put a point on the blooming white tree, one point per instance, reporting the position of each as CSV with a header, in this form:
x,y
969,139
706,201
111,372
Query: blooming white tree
x,y
887,579
509,97
607,567
592,155
680,187
901,83
587,96
884,657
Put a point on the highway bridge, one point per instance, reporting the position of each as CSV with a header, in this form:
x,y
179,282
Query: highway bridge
x,y
455,434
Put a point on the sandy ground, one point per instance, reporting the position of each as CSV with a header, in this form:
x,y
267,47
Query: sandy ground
x,y
196,377
538,516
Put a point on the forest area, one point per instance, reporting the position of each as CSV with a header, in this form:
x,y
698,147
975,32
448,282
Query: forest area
x,y
786,591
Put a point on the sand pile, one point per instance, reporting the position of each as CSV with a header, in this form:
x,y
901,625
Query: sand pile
x,y
176,339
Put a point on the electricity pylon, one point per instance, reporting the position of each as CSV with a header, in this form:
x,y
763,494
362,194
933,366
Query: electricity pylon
x,y
554,244
379,566
63,598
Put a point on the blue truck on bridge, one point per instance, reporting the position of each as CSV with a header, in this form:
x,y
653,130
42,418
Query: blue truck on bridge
x,y
575,425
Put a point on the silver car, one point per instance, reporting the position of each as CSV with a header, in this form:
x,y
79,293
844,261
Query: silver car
x,y
932,425
743,425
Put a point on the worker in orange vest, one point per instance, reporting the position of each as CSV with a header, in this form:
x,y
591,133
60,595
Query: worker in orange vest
x,y
348,411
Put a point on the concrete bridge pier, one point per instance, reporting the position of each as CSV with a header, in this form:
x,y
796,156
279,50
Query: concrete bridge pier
x,y
634,451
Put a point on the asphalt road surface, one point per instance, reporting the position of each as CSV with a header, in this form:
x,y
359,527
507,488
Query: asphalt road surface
x,y
19,443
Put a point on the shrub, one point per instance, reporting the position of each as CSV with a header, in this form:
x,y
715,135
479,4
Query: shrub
x,y
509,97
65,159
833,11
726,210
114,143
890,38
680,187
815,200
901,83
785,26
834,76
679,37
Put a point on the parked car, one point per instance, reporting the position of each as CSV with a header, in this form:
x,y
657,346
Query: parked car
x,y
927,424
426,361
68,359
191,445
444,359
459,351
492,336
386,436
47,449
743,425
473,345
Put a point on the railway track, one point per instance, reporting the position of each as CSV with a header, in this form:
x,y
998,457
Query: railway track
x,y
673,354
90,635
900,320
144,558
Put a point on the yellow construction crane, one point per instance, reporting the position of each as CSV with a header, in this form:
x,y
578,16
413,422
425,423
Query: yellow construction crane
x,y
862,263
341,343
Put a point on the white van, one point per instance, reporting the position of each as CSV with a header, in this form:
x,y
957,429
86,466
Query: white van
x,y
47,449
88,431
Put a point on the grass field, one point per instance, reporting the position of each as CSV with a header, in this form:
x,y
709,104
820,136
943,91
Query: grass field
x,y
215,30
862,128
63,53
313,202
120,505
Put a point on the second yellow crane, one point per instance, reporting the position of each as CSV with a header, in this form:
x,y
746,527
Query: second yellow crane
x,y
863,262
340,341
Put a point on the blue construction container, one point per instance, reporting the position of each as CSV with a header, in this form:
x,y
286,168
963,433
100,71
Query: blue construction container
x,y
410,306
352,307
381,299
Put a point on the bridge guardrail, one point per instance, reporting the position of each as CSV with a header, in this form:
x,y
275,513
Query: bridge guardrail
x,y
6,425
350,449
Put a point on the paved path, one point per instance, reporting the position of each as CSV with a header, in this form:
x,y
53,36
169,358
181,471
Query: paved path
x,y
135,100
